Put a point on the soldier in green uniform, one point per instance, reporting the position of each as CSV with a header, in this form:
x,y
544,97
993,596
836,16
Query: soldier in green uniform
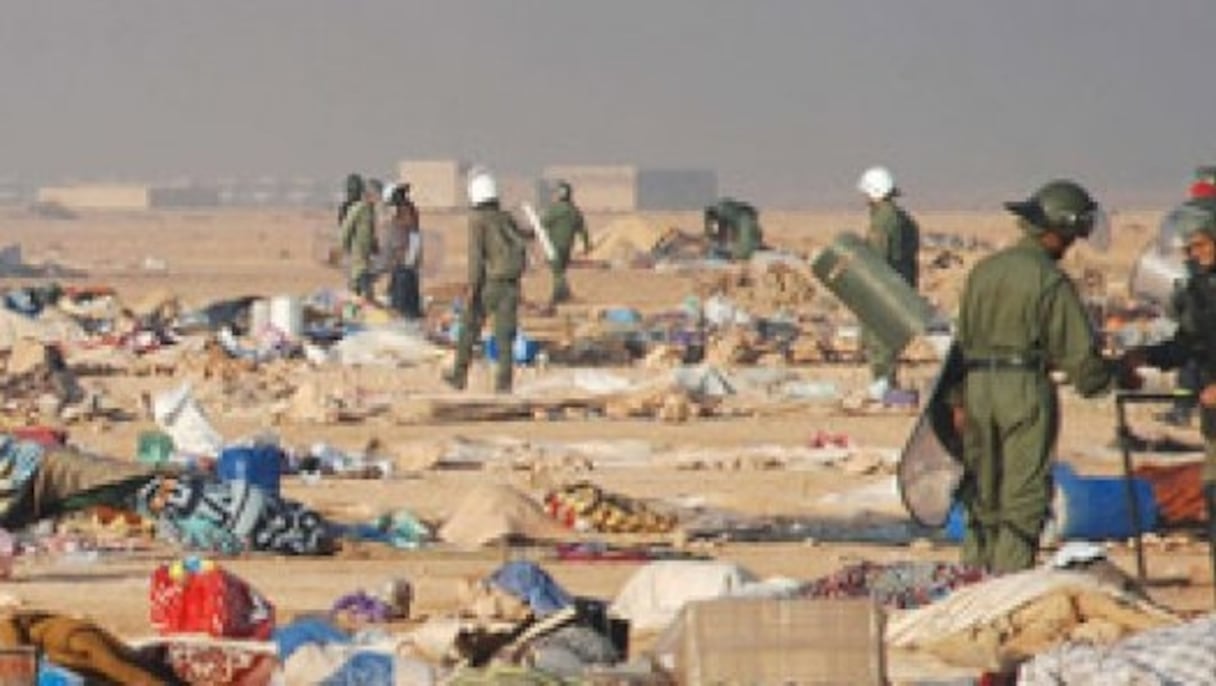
x,y
733,229
1021,318
563,221
1194,341
359,240
895,236
496,264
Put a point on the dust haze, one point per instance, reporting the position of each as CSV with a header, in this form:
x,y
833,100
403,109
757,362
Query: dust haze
x,y
969,102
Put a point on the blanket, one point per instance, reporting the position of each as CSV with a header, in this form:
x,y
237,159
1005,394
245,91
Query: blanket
x,y
233,517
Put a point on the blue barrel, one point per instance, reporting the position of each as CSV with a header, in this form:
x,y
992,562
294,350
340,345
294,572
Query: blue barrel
x,y
1086,508
260,465
523,349
1095,508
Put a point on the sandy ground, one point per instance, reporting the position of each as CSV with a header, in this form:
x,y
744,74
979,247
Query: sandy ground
x,y
207,255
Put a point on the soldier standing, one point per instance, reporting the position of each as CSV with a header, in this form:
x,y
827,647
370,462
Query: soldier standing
x,y
1194,342
733,228
563,221
895,236
359,237
1020,318
496,264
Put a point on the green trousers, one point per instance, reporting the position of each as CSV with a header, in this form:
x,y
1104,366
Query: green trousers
x,y
561,288
1011,430
499,299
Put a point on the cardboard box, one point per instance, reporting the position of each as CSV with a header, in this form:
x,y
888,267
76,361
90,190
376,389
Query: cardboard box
x,y
791,641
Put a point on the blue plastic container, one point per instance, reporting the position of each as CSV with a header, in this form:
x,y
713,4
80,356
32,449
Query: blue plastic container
x,y
1089,508
259,464
523,349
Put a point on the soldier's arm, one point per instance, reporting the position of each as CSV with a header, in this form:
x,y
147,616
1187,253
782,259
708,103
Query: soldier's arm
x,y
882,229
1072,344
349,222
477,251
580,227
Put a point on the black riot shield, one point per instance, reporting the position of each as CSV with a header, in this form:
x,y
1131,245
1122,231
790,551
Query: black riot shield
x,y
930,466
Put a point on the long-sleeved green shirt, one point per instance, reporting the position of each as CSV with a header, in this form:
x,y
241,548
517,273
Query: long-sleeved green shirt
x,y
496,247
894,235
1018,302
741,227
564,221
359,234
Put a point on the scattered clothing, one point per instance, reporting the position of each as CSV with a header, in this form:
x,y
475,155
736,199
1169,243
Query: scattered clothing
x,y
533,585
81,646
900,585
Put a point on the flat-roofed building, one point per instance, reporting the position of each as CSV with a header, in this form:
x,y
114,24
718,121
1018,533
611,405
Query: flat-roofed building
x,y
626,188
129,196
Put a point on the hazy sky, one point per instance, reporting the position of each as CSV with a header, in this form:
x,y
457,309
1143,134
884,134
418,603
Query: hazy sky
x,y
968,101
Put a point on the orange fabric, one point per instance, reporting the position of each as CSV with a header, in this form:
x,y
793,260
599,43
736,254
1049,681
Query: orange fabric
x,y
1178,490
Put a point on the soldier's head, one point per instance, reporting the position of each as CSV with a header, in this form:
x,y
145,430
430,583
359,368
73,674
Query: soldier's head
x,y
1197,228
877,184
482,188
375,190
354,187
562,191
1059,213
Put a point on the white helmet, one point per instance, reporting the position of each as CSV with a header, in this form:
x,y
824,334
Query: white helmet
x,y
482,187
877,183
389,189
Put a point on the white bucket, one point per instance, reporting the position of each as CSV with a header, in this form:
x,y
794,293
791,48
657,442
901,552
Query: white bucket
x,y
287,315
259,316
179,415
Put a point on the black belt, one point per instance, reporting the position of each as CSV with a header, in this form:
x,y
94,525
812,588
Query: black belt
x,y
972,364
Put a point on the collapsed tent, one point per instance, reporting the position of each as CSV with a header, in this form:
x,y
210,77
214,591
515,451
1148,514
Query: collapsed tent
x,y
39,482
996,624
498,512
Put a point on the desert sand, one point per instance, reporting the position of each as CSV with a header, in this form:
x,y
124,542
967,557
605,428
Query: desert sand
x,y
202,256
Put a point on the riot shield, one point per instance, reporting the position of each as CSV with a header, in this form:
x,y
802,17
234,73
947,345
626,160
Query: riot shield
x,y
930,466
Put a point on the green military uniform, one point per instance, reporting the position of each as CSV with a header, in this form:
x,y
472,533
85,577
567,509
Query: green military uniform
x,y
738,231
895,236
1019,318
1194,341
563,221
360,244
496,264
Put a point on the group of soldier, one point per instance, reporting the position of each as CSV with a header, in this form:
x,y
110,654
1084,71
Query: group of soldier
x,y
1021,321
396,242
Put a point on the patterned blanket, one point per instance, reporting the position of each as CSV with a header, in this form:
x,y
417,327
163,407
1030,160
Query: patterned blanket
x,y
232,517
1182,654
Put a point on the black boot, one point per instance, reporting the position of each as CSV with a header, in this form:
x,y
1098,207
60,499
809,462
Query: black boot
x,y
455,379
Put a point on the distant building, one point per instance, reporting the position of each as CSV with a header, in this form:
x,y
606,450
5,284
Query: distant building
x,y
112,196
626,188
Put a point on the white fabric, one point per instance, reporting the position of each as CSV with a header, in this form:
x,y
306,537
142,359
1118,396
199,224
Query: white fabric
x,y
655,594
413,249
388,346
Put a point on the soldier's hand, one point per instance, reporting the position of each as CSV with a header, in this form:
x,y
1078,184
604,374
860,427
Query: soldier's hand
x,y
1207,397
